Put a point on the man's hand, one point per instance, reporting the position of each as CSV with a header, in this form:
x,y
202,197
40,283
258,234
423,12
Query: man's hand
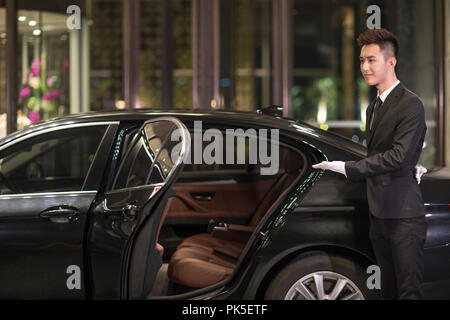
x,y
336,166
419,171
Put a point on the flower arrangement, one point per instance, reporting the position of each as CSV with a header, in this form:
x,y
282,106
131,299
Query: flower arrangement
x,y
42,96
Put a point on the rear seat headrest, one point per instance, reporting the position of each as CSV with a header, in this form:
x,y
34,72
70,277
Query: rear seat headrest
x,y
293,162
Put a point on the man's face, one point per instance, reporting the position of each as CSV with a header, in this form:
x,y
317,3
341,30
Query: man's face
x,y
374,65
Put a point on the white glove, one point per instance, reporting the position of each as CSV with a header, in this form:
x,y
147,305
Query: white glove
x,y
419,171
336,166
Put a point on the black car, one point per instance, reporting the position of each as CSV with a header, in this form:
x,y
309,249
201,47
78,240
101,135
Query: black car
x,y
113,206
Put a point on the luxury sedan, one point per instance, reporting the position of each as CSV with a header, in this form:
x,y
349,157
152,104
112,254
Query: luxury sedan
x,y
193,205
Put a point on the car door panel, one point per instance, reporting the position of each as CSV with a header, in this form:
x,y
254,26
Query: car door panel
x,y
42,233
218,199
144,259
128,216
36,252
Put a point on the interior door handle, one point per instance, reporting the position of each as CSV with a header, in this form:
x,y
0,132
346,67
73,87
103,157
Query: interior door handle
x,y
202,196
130,211
60,214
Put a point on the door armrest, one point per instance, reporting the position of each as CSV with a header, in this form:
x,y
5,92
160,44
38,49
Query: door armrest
x,y
233,232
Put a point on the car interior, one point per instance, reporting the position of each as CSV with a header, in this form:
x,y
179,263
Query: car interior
x,y
212,213
209,220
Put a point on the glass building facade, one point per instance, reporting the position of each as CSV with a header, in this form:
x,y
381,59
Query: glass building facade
x,y
219,54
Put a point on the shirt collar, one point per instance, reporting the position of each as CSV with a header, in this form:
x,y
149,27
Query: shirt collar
x,y
384,95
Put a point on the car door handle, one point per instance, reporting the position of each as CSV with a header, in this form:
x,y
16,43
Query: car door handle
x,y
202,196
60,214
130,211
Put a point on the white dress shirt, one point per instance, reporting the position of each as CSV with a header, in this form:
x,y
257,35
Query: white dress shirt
x,y
386,92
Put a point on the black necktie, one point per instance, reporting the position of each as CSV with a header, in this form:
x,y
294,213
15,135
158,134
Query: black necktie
x,y
378,103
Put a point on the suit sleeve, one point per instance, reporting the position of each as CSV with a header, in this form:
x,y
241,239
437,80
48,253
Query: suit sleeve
x,y
407,138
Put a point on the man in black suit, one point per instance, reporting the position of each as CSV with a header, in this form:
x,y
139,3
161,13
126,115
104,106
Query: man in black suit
x,y
395,135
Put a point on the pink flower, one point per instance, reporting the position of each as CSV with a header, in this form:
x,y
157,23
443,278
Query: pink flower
x,y
46,97
25,92
55,94
50,81
49,96
34,116
35,66
65,65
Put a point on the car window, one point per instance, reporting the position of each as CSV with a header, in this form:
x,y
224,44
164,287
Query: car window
x,y
245,161
51,162
149,159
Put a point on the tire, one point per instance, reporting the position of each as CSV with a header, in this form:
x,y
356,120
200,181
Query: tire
x,y
340,278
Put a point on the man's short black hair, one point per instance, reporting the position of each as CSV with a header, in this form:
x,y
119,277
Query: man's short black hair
x,y
382,37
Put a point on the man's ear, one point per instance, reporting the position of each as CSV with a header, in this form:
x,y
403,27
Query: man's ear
x,y
392,61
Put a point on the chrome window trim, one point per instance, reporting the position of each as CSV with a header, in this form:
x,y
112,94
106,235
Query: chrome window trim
x,y
186,137
56,128
324,209
158,186
47,194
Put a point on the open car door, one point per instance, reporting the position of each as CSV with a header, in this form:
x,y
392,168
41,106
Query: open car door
x,y
134,206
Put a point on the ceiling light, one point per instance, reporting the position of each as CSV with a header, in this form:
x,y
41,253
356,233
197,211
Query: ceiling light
x,y
22,18
120,104
36,32
32,23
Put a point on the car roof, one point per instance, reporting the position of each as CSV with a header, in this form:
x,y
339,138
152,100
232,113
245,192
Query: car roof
x,y
257,119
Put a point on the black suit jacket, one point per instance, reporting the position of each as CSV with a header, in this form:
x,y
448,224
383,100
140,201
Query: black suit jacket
x,y
394,145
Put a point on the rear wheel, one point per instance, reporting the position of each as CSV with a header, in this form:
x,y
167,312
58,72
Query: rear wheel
x,y
319,276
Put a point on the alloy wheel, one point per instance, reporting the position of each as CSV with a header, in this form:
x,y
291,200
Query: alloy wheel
x,y
324,285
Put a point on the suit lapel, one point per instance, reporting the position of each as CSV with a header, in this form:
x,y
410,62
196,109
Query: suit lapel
x,y
390,102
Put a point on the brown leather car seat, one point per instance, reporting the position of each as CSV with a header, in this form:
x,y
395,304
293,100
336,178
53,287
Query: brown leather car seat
x,y
204,259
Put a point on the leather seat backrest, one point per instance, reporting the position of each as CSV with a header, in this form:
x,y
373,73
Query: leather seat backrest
x,y
293,163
